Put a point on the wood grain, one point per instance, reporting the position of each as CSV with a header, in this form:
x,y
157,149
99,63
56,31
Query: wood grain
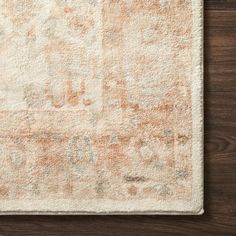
x,y
220,50
220,155
220,4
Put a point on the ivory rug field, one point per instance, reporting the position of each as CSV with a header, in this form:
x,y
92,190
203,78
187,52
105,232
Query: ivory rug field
x,y
101,107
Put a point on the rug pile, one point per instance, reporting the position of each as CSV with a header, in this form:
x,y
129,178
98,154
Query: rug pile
x,y
101,107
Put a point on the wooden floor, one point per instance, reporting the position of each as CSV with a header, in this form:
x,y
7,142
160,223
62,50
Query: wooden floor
x,y
220,155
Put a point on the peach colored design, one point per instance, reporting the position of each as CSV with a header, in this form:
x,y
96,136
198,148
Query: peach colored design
x,y
100,106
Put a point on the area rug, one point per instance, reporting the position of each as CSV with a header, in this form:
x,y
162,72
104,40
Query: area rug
x,y
101,107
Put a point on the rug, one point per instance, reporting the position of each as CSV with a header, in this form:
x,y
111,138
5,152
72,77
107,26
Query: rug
x,y
101,107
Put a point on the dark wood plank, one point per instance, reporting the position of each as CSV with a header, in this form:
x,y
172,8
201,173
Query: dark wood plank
x,y
220,20
122,225
220,152
220,51
220,4
220,78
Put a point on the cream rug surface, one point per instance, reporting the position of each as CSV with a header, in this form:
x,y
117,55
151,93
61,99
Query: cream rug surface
x,y
101,107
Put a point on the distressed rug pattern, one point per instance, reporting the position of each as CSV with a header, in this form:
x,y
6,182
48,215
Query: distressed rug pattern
x,y
101,107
